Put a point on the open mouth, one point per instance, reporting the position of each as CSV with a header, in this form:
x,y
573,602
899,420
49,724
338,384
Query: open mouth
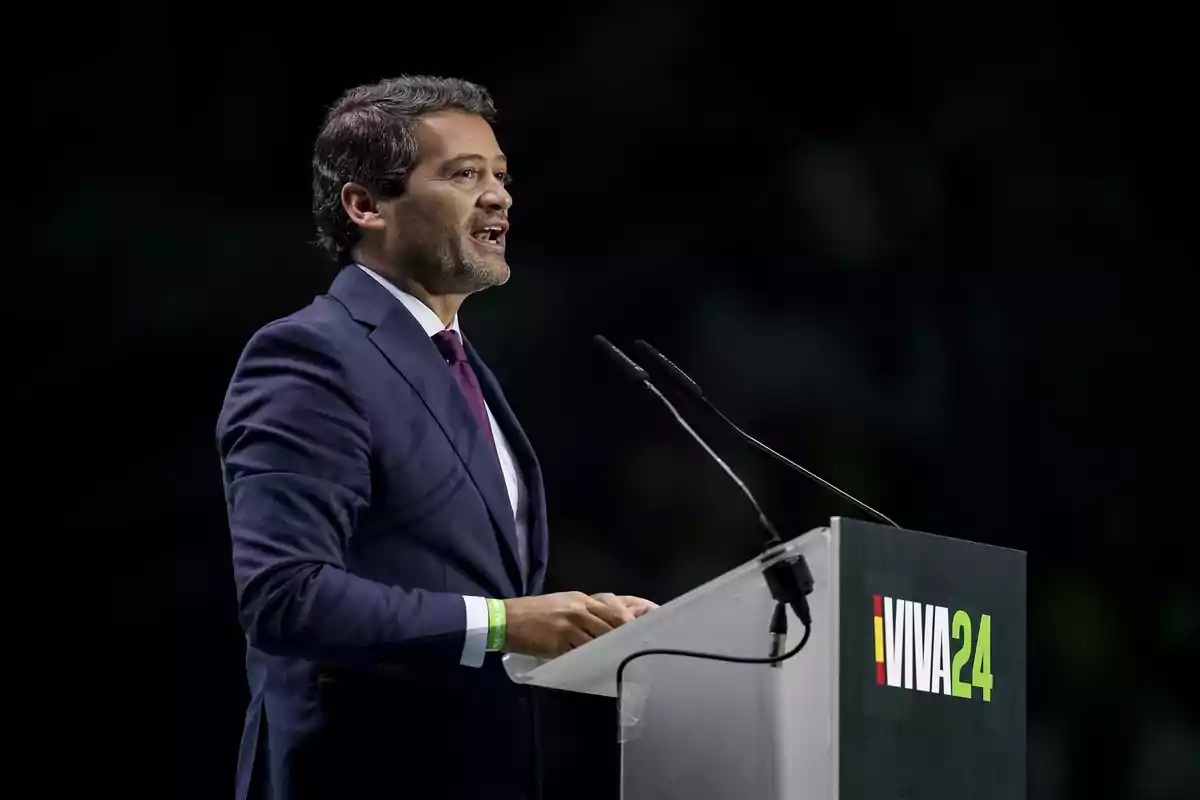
x,y
491,237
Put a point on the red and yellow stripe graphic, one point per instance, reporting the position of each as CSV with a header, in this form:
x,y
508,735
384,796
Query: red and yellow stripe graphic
x,y
879,676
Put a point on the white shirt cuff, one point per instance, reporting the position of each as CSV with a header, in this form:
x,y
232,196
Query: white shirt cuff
x,y
475,643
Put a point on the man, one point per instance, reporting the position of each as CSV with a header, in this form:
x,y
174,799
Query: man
x,y
386,509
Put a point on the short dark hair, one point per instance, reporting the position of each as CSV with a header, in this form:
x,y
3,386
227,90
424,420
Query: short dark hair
x,y
367,137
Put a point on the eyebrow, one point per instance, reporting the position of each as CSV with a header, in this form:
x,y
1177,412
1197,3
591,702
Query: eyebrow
x,y
475,157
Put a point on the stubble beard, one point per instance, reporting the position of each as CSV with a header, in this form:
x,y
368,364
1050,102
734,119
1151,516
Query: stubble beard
x,y
444,263
461,271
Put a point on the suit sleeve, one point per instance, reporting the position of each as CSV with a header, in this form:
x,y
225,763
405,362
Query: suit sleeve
x,y
295,451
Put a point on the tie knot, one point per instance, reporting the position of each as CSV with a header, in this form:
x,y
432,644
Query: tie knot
x,y
450,346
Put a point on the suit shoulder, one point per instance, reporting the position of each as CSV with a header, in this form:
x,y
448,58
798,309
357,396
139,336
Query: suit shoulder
x,y
324,321
307,347
320,336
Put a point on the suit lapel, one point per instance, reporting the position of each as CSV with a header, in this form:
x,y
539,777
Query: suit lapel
x,y
526,458
403,342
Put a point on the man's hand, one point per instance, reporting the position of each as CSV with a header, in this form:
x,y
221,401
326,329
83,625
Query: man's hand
x,y
628,606
551,624
637,605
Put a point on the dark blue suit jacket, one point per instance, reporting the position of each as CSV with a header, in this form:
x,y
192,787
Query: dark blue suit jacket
x,y
364,500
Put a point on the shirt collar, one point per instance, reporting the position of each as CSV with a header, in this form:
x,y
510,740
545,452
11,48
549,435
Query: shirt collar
x,y
424,315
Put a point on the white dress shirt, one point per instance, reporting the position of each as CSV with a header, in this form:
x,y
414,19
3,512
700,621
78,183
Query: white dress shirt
x,y
475,645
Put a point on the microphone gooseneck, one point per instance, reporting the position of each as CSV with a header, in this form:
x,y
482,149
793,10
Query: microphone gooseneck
x,y
634,372
685,384
789,579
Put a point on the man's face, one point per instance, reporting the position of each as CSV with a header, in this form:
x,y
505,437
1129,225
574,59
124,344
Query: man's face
x,y
447,231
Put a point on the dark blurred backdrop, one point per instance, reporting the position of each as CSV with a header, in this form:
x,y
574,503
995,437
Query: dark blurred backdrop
x,y
938,259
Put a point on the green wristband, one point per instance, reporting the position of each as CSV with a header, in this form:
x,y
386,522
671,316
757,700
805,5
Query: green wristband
x,y
497,632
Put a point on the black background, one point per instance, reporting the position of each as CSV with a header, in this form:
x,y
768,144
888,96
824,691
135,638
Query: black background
x,y
939,257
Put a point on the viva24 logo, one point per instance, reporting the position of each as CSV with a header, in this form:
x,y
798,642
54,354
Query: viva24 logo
x,y
912,648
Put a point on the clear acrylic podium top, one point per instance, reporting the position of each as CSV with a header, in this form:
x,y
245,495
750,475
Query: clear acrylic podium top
x,y
697,729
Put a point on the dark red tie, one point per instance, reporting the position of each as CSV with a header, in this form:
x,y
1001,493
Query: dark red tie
x,y
451,348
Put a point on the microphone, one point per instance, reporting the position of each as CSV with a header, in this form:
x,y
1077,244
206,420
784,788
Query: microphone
x,y
626,365
690,387
790,580
635,373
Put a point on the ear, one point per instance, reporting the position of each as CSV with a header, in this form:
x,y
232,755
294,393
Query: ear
x,y
362,207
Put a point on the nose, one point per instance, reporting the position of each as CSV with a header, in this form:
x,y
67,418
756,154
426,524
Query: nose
x,y
495,196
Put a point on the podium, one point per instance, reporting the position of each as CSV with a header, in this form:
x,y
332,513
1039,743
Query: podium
x,y
911,685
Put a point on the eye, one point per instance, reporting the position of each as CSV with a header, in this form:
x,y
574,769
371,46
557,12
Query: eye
x,y
504,178
467,172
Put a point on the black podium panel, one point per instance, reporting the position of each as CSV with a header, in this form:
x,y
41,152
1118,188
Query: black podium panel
x,y
932,667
